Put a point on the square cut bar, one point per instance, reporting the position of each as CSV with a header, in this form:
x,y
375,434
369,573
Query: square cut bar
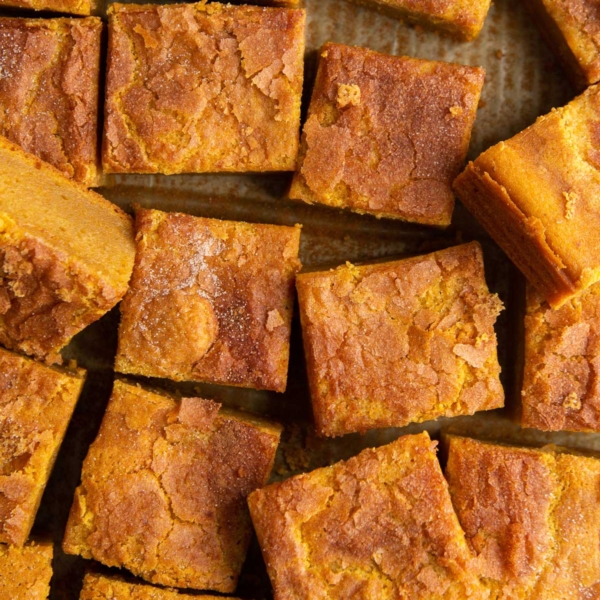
x,y
572,29
531,516
387,135
25,573
164,485
36,404
50,70
209,301
101,587
561,382
463,19
195,88
380,525
538,196
395,343
66,255
72,7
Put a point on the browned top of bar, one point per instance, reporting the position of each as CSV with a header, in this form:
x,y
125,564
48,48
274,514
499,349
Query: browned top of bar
x,y
392,343
210,300
73,7
25,573
387,134
49,70
203,87
380,525
164,486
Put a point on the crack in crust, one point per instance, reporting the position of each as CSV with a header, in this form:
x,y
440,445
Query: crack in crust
x,y
49,71
200,88
163,489
393,343
396,148
378,526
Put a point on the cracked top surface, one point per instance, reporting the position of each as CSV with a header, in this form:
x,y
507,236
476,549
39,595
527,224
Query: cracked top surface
x,y
378,526
163,489
531,516
49,72
562,363
25,573
549,178
36,404
578,21
201,88
99,587
209,300
392,147
393,343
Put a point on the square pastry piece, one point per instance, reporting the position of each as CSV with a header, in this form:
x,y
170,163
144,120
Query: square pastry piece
x,y
561,383
66,255
531,516
195,88
386,135
395,343
572,28
49,91
538,196
164,485
72,7
100,587
209,301
36,404
25,573
380,525
462,19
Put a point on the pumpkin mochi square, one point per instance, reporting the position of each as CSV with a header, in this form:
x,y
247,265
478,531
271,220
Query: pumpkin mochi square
x,y
196,88
164,486
531,516
386,135
400,342
102,587
209,300
25,572
380,525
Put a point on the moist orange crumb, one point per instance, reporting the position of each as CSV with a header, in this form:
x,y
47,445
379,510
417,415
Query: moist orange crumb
x,y
531,516
394,343
100,587
203,88
462,19
210,301
572,28
36,404
562,363
72,7
66,255
49,73
378,138
536,194
380,525
164,485
25,573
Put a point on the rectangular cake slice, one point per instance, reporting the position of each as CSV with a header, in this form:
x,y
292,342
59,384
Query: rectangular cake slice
x,y
25,573
71,7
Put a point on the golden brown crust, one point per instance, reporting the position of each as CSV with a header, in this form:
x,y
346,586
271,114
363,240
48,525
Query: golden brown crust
x,y
36,404
25,573
536,196
572,28
225,97
462,19
72,7
393,343
100,587
380,525
210,301
66,255
49,91
164,486
562,363
387,135
532,517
